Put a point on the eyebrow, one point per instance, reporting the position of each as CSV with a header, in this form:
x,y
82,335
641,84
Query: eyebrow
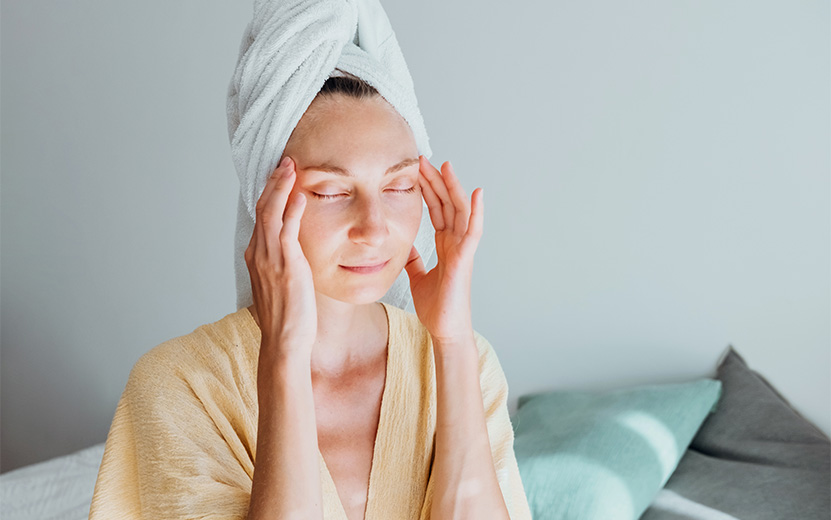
x,y
337,170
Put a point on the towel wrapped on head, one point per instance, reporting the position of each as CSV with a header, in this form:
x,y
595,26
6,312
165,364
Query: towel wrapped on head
x,y
288,50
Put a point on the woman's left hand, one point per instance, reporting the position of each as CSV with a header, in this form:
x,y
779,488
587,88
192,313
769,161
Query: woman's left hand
x,y
442,296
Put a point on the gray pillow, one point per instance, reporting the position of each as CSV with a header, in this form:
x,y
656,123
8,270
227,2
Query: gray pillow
x,y
754,458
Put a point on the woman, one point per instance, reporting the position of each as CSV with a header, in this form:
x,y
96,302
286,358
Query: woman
x,y
317,274
319,401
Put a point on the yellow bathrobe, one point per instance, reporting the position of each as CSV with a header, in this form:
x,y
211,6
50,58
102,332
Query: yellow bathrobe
x,y
183,440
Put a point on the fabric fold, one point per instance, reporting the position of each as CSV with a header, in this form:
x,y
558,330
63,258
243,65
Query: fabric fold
x,y
183,440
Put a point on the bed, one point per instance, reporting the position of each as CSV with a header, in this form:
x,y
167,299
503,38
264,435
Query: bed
x,y
751,457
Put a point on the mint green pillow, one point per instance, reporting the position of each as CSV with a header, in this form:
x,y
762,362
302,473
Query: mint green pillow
x,y
605,455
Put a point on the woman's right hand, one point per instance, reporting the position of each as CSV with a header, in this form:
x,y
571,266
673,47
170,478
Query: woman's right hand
x,y
281,279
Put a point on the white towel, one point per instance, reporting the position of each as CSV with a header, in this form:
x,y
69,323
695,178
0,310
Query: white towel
x,y
288,50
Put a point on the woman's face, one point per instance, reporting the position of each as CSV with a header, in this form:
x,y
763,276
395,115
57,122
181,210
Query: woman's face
x,y
357,165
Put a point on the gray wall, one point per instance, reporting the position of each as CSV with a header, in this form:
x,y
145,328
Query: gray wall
x,y
656,183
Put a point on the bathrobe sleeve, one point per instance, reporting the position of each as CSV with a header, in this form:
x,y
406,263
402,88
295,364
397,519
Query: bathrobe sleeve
x,y
172,451
500,432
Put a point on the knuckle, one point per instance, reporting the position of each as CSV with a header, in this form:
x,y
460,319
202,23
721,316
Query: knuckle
x,y
267,214
286,240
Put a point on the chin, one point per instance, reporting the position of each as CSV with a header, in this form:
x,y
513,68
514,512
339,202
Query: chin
x,y
361,294
359,297
357,289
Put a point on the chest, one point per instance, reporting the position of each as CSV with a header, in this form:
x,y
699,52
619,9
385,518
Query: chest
x,y
347,417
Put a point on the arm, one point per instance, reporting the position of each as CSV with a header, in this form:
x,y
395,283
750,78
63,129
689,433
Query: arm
x,y
474,463
286,481
286,475
465,479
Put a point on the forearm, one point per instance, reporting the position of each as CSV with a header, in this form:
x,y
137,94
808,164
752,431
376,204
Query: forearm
x,y
463,469
286,472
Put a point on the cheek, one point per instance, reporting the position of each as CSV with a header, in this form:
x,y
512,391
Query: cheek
x,y
408,216
313,233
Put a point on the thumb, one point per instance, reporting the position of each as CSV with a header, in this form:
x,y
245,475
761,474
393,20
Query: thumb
x,y
414,265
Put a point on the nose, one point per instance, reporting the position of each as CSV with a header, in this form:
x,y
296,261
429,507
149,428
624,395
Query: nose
x,y
369,225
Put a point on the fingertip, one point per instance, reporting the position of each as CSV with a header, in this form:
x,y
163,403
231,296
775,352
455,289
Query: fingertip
x,y
300,202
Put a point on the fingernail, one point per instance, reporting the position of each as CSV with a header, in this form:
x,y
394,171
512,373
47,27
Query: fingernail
x,y
284,162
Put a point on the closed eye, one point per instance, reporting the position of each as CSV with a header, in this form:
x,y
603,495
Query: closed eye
x,y
324,196
339,195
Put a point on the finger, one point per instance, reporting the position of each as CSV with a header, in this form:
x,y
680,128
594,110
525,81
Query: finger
x,y
254,255
252,244
475,226
459,198
436,181
273,211
257,235
274,180
414,265
291,227
255,245
433,202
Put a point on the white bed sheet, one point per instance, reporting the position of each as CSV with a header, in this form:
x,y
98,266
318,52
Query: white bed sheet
x,y
61,489
56,489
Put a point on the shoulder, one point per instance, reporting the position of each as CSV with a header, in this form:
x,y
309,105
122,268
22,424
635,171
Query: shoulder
x,y
210,349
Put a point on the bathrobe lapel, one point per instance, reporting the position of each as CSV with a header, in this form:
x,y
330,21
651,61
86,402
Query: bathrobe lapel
x,y
404,441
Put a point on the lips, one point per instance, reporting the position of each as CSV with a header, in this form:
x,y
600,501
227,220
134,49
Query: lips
x,y
370,266
368,263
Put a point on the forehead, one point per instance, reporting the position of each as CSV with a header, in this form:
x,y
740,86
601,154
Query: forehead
x,y
341,171
338,125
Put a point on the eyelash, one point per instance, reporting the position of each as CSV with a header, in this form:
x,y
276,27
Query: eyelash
x,y
322,196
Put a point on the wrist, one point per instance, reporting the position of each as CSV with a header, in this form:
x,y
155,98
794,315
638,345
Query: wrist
x,y
449,347
279,359
286,347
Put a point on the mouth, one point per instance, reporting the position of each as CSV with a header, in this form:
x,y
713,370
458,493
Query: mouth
x,y
366,269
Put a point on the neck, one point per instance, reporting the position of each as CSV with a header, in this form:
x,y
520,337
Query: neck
x,y
349,335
